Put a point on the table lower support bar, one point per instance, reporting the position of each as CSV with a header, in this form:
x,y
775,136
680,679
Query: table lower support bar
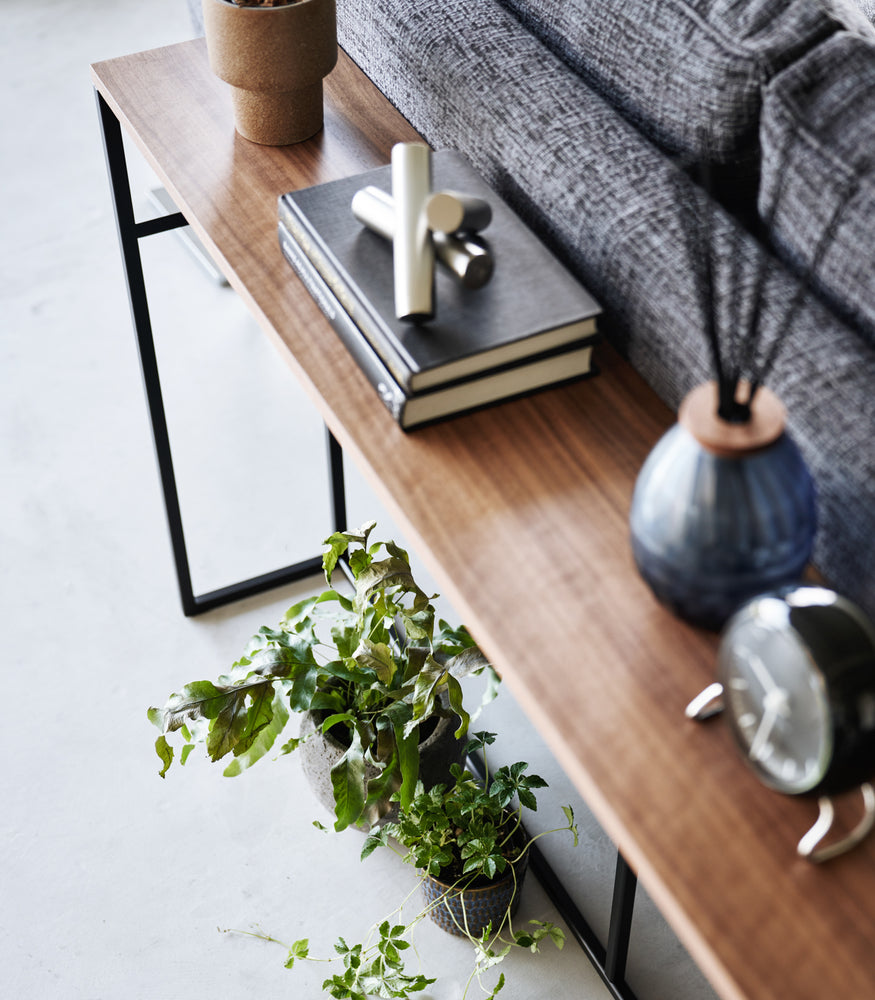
x,y
129,233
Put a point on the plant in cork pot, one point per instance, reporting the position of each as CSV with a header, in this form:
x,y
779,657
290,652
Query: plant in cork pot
x,y
274,55
373,677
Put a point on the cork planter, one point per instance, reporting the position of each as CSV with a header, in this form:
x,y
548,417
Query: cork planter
x,y
274,59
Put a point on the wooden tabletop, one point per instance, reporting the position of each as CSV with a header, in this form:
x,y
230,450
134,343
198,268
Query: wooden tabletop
x,y
520,512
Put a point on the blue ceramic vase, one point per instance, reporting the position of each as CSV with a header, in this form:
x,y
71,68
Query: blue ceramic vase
x,y
722,512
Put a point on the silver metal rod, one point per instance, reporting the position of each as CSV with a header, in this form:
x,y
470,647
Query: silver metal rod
x,y
413,253
454,212
467,257
375,209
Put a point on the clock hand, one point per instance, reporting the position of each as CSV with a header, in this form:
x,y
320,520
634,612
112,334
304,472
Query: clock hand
x,y
762,674
776,703
763,733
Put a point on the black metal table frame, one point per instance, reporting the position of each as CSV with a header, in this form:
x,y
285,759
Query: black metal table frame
x,y
130,232
610,960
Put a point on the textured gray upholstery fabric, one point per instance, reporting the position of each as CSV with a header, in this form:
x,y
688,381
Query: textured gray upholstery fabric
x,y
687,72
818,140
469,76
855,15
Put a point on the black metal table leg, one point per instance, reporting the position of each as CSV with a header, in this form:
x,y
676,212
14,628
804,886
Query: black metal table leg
x,y
129,233
337,483
620,929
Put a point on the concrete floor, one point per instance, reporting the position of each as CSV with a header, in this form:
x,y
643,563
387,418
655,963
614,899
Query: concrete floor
x,y
114,883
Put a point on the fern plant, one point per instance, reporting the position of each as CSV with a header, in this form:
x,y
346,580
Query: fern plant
x,y
374,665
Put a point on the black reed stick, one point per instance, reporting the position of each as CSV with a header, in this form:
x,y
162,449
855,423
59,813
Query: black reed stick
x,y
742,341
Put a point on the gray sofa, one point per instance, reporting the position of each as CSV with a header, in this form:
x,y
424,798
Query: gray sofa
x,y
594,120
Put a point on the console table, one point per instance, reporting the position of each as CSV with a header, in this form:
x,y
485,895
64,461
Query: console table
x,y
520,512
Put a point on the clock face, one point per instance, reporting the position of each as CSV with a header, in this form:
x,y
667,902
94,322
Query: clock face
x,y
776,698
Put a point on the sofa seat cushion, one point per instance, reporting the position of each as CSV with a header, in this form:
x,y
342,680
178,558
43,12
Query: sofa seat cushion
x,y
818,172
687,72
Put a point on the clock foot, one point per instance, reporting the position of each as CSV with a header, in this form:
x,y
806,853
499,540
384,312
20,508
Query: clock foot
x,y
809,846
706,704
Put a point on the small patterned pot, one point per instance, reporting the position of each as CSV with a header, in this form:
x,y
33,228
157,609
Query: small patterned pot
x,y
456,909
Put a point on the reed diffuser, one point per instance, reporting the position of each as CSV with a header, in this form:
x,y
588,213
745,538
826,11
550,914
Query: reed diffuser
x,y
724,506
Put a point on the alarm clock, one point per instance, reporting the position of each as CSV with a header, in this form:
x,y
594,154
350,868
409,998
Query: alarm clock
x,y
797,669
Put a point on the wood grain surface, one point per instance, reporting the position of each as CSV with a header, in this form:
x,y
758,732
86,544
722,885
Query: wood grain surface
x,y
520,511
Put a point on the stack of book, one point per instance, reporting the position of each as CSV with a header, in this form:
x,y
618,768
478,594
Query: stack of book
x,y
531,326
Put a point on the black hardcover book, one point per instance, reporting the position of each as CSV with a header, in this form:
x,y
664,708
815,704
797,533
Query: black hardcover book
x,y
532,305
553,367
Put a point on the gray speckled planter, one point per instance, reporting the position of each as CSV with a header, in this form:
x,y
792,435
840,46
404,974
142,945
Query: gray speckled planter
x,y
321,752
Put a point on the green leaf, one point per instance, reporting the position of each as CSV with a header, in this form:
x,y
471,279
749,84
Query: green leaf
x,y
291,745
479,741
298,615
299,950
454,693
527,799
165,752
572,826
540,930
408,760
230,724
498,986
265,723
337,544
382,785
468,661
376,656
376,838
381,575
348,782
340,541
425,691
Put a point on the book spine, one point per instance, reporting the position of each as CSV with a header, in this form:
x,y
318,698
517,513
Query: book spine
x,y
346,292
378,375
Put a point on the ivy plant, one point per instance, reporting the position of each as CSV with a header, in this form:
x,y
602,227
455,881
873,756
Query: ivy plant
x,y
374,665
468,834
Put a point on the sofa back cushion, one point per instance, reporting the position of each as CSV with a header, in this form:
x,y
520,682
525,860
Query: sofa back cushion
x,y
855,15
687,72
818,173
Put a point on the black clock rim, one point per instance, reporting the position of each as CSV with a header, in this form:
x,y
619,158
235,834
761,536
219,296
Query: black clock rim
x,y
839,644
